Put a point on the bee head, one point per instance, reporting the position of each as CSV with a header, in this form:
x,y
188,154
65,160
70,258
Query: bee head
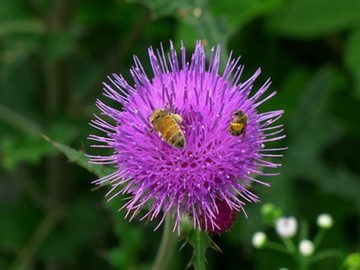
x,y
238,113
156,115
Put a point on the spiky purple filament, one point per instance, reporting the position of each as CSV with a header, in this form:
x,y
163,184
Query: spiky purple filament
x,y
215,166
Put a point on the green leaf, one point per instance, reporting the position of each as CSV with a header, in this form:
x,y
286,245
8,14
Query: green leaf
x,y
80,159
318,130
311,18
292,87
311,131
352,58
28,145
198,23
16,120
238,13
17,149
21,27
13,10
161,8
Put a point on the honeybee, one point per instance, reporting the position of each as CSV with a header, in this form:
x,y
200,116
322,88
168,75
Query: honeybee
x,y
238,124
168,126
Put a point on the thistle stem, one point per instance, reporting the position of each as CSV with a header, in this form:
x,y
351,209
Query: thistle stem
x,y
167,246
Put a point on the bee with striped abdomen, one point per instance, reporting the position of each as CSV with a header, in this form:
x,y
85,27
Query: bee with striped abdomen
x,y
238,124
168,126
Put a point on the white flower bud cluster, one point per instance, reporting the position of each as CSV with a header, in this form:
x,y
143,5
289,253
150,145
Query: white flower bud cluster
x,y
286,228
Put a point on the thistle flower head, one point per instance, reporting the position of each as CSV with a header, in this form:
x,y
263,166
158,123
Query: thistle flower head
x,y
197,166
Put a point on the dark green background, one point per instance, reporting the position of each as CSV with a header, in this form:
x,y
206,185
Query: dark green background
x,y
54,56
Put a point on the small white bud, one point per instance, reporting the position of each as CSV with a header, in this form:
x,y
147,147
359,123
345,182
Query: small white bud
x,y
324,221
306,248
259,239
286,227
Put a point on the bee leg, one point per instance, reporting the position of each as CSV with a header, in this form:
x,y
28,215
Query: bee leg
x,y
177,118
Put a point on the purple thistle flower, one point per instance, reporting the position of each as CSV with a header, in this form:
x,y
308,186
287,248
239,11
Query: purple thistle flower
x,y
215,168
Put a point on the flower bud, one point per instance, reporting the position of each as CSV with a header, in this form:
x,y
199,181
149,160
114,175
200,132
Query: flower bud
x,y
286,227
352,261
223,220
259,240
324,221
306,248
270,213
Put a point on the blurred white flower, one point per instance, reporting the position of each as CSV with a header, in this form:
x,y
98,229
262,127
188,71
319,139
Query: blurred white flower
x,y
306,247
259,239
286,227
325,221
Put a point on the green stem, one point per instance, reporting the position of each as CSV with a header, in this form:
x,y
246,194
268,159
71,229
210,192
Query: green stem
x,y
277,247
167,246
303,263
319,237
325,255
300,260
290,246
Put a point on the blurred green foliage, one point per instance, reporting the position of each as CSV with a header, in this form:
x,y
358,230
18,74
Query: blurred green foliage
x,y
54,54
